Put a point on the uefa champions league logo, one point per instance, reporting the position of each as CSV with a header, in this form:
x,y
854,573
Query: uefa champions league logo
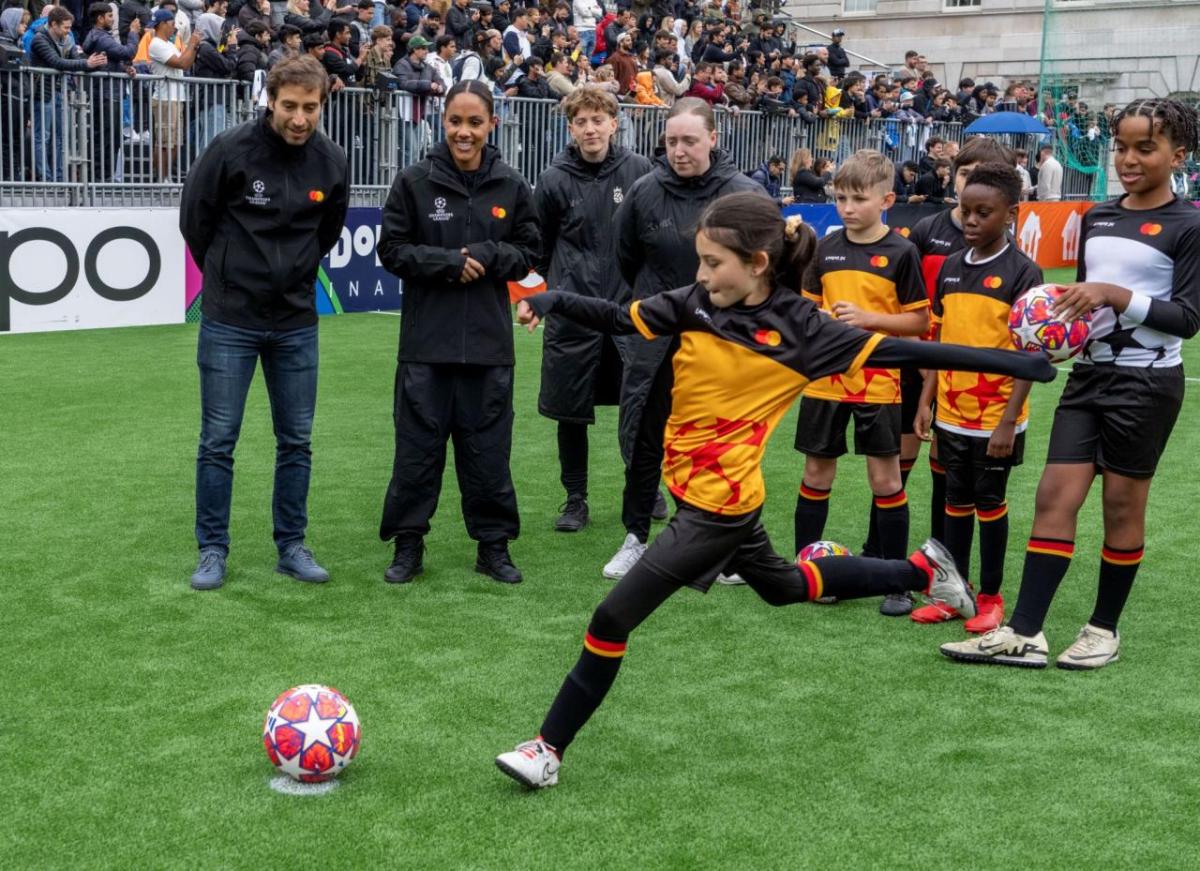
x,y
618,195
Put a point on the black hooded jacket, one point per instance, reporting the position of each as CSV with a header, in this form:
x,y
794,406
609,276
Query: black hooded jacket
x,y
434,211
656,251
575,201
258,215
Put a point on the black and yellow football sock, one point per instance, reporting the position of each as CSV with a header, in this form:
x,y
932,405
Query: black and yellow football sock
x,y
993,544
1118,568
853,577
958,527
937,501
1046,564
871,545
812,510
583,690
892,512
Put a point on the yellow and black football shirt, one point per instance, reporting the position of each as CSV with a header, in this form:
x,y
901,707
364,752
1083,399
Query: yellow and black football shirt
x,y
971,306
737,372
883,277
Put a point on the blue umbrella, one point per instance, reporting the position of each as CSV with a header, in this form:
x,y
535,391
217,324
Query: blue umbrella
x,y
1007,122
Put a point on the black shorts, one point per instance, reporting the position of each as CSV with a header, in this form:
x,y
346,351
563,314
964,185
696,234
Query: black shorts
x,y
911,385
1116,417
698,545
821,428
972,477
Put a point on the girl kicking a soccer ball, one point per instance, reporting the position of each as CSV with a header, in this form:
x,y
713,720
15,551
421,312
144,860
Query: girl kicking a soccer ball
x,y
748,344
1139,274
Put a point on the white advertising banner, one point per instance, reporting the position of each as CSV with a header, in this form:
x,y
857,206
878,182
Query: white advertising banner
x,y
78,269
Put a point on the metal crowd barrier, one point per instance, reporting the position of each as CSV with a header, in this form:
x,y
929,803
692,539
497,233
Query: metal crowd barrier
x,y
104,139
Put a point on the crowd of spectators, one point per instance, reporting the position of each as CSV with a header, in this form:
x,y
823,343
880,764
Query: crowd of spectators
x,y
646,55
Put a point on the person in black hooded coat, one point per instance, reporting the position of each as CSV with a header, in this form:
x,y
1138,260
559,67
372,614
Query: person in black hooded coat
x,y
457,227
656,251
576,199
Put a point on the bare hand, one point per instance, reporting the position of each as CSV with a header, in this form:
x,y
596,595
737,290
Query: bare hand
x,y
337,85
472,270
527,316
1001,442
98,59
135,26
194,40
1078,299
787,201
849,313
917,198
922,423
435,88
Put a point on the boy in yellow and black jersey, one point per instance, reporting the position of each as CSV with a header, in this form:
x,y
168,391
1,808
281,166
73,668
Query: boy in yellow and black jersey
x,y
866,276
980,418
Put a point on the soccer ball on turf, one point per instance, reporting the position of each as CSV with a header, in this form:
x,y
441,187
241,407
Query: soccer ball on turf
x,y
311,733
1034,326
819,549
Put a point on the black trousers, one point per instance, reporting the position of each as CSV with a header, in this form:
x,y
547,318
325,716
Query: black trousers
x,y
473,407
644,470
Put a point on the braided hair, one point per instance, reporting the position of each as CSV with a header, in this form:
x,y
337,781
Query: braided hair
x,y
1177,121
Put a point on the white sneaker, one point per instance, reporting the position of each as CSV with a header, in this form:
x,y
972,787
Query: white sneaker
x,y
1094,648
731,580
625,558
532,763
947,585
1001,647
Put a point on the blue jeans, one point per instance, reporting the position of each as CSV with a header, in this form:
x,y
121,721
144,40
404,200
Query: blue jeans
x,y
587,42
227,357
379,16
48,139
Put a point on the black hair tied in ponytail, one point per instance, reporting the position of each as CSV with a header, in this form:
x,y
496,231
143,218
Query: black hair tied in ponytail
x,y
748,222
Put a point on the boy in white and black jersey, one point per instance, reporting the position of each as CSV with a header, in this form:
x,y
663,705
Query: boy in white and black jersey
x,y
1139,273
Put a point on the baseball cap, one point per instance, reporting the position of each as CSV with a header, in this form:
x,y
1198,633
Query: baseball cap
x,y
418,42
906,97
161,16
838,32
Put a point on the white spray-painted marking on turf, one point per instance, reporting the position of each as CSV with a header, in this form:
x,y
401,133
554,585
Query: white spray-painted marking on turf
x,y
286,786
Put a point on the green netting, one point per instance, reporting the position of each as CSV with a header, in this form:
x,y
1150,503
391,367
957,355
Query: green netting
x,y
1080,129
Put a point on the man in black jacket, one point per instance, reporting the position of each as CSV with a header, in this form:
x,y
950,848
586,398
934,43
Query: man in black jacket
x,y
261,206
839,61
51,47
106,91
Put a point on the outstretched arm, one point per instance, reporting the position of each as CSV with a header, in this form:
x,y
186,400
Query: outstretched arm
x,y
599,314
892,353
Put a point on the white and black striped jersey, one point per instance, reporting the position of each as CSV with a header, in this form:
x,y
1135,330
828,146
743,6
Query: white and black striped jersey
x,y
1155,254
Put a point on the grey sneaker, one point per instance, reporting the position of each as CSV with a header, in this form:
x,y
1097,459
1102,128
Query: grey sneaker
x,y
1094,648
896,605
946,585
298,562
210,572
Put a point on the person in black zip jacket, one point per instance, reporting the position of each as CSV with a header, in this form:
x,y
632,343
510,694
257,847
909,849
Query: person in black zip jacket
x,y
576,199
107,91
260,207
655,229
457,227
839,61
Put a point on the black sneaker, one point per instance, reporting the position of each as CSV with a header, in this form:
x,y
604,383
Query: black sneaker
x,y
574,515
493,560
660,507
407,563
896,605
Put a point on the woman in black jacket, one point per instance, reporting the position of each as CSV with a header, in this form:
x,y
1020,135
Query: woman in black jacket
x,y
656,251
807,185
457,227
215,59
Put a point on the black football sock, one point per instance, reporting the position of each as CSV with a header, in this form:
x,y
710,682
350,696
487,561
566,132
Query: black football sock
x,y
583,691
1118,568
937,500
892,512
993,545
812,510
871,545
1046,563
854,577
958,529
573,457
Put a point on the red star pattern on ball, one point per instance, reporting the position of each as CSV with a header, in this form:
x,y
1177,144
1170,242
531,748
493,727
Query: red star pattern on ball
x,y
707,456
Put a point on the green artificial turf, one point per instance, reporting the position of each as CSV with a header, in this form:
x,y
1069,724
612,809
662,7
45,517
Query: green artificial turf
x,y
737,736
